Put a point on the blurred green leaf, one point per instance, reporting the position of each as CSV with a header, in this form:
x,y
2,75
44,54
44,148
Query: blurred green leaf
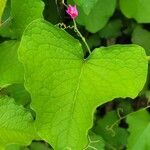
x,y
87,5
11,70
141,37
115,137
22,13
137,9
111,30
99,15
19,93
139,128
93,41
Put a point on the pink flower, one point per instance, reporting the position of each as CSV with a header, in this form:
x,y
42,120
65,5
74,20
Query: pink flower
x,y
72,11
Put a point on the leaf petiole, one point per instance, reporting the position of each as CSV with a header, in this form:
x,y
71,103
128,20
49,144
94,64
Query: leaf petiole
x,y
81,36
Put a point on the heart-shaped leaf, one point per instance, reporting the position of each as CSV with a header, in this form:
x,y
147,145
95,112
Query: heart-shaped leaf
x,y
66,88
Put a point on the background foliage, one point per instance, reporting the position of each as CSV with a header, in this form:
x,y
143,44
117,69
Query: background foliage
x,y
54,95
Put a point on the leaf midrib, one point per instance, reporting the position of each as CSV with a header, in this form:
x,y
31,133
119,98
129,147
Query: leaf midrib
x,y
74,99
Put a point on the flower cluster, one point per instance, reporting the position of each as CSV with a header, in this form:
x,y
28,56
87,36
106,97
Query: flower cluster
x,y
72,11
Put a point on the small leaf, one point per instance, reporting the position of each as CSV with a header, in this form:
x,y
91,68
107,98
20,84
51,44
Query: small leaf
x,y
136,9
11,70
16,124
139,128
66,88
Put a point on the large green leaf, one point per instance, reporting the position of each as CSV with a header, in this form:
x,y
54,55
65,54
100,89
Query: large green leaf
x,y
99,15
86,5
16,124
139,128
137,9
66,88
22,13
11,70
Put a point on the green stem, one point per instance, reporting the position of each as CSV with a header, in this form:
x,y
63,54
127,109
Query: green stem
x,y
81,36
116,122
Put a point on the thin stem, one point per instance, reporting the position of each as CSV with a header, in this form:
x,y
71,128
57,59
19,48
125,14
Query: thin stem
x,y
81,36
78,32
116,122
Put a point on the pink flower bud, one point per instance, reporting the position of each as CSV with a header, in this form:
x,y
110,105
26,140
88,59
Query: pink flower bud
x,y
72,11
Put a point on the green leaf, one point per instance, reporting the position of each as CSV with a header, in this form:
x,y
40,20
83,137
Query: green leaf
x,y
19,93
39,146
2,6
66,88
15,147
139,128
6,12
141,37
11,70
115,137
111,30
29,10
86,5
16,124
99,15
93,41
136,9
